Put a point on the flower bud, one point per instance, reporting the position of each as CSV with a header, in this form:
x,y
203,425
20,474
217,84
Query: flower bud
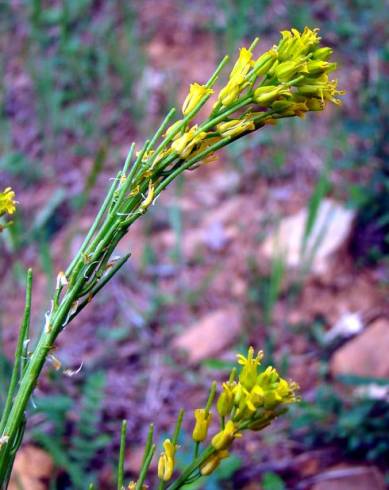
x,y
225,401
185,143
290,107
231,91
196,93
322,54
224,438
286,70
213,462
203,419
265,62
166,461
318,67
265,95
235,127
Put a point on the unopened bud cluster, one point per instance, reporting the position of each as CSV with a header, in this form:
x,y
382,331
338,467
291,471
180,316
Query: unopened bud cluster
x,y
250,402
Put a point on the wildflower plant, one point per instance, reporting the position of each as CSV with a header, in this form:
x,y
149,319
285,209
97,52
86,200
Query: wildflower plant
x,y
290,79
249,401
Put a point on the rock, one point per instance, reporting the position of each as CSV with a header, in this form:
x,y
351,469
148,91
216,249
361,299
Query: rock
x,y
32,469
350,478
365,355
215,232
134,458
210,335
330,231
348,325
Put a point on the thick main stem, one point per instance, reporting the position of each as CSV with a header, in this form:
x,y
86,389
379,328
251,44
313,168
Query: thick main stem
x,y
29,379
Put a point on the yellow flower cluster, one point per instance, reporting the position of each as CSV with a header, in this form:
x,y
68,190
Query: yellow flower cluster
x,y
251,402
296,71
288,80
298,76
7,202
256,396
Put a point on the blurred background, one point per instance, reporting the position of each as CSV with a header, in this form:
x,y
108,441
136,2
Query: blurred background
x,y
281,244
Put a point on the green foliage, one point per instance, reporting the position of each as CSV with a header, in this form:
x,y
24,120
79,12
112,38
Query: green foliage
x,y
74,453
271,481
357,424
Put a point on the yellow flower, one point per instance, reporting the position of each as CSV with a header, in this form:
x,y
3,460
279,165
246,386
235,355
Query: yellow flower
x,y
210,465
235,127
203,419
196,93
166,461
224,438
248,402
276,390
248,374
294,44
185,143
268,378
231,91
243,64
7,201
237,81
265,95
240,393
255,398
309,37
323,91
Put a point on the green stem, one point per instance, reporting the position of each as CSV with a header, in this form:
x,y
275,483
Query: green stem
x,y
18,364
123,433
145,468
27,384
93,228
197,463
178,426
149,443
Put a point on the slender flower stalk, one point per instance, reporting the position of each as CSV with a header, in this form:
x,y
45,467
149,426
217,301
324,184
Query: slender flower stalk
x,y
289,80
